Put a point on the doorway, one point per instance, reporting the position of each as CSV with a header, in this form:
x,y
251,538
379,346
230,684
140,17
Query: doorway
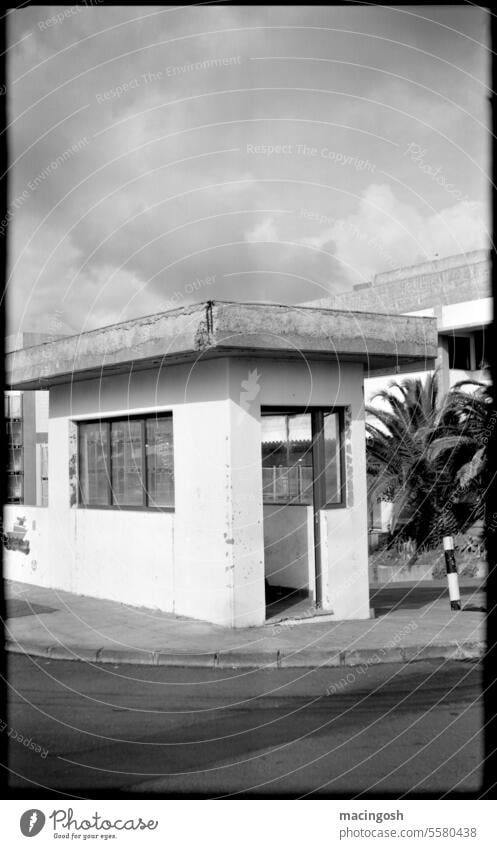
x,y
302,475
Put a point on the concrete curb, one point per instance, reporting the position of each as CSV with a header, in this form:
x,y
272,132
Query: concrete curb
x,y
309,658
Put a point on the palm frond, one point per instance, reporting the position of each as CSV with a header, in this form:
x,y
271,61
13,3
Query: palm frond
x,y
470,471
447,443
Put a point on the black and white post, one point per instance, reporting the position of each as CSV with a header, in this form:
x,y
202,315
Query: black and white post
x,y
452,578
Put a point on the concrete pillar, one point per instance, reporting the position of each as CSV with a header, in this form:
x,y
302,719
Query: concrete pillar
x,y
247,529
218,545
443,364
344,536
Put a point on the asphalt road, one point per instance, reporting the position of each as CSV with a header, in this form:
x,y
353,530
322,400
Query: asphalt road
x,y
386,729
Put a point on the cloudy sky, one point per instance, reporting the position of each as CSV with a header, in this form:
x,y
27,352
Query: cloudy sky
x,y
161,156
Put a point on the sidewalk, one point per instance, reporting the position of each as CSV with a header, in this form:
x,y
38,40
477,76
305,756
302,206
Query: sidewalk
x,y
412,622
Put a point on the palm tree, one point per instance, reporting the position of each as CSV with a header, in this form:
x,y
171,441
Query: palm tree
x,y
419,451
464,431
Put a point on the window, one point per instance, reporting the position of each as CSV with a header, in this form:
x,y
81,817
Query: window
x,y
287,459
160,461
459,349
302,458
15,461
94,468
14,433
13,406
127,462
14,489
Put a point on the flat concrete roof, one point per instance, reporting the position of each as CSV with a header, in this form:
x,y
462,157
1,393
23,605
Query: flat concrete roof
x,y
219,329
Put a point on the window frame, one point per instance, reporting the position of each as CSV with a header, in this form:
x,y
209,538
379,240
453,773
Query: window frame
x,y
11,475
9,405
317,414
144,507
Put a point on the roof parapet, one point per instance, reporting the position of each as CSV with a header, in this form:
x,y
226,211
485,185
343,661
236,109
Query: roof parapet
x,y
219,328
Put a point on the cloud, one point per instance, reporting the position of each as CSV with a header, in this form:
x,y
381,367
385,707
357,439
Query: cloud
x,y
263,232
459,228
387,233
166,192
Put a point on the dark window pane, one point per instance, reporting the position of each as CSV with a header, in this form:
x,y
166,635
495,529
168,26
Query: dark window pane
x,y
459,348
127,463
332,458
94,463
160,462
480,353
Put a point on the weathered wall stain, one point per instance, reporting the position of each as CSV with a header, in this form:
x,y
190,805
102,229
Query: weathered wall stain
x,y
73,464
15,540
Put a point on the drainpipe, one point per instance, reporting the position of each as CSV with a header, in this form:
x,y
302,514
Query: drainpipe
x,y
451,568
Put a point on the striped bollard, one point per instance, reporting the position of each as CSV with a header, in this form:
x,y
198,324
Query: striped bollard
x,y
452,579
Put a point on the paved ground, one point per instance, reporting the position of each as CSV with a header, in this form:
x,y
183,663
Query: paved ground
x,y
412,623
400,729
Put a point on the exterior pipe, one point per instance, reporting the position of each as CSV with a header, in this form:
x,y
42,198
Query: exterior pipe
x,y
452,578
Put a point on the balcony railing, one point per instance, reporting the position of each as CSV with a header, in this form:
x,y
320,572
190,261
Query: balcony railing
x,y
287,485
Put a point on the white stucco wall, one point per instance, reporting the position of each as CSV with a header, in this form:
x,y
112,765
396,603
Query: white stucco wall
x,y
344,531
205,559
184,561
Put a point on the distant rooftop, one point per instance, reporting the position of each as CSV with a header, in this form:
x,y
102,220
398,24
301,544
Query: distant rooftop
x,y
453,279
432,266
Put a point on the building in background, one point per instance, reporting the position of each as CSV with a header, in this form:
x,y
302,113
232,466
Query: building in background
x,y
456,291
26,419
26,423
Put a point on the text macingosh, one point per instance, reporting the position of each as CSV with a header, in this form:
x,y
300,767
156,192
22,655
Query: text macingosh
x,y
377,816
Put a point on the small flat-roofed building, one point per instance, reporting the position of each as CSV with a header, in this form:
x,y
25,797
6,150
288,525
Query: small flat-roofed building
x,y
202,456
